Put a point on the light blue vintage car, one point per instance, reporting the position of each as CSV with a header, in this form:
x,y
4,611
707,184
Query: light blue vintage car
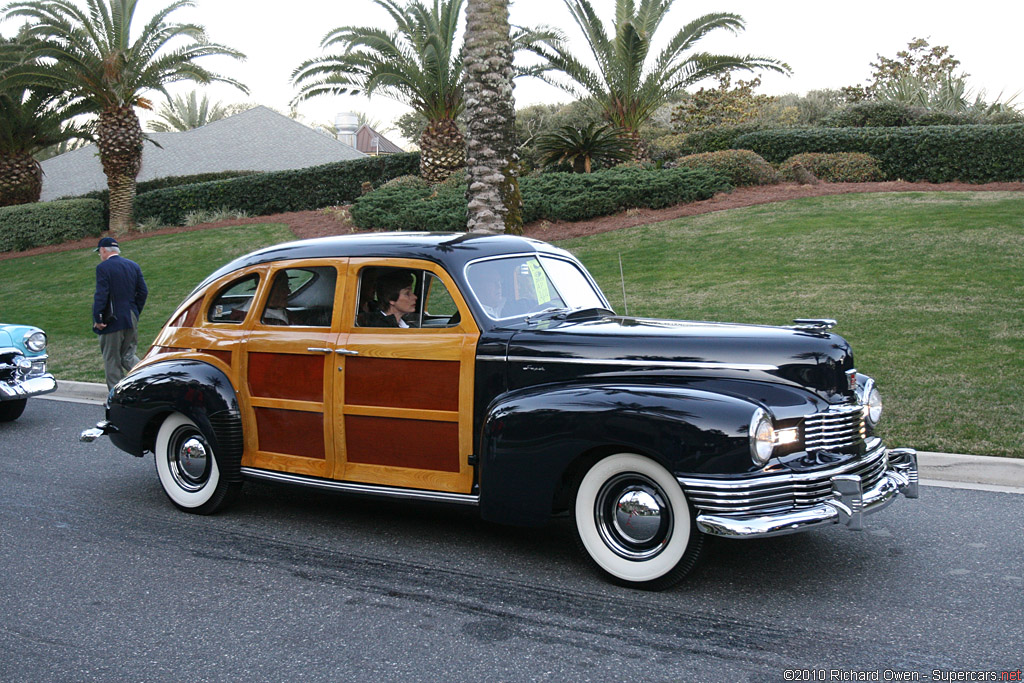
x,y
22,368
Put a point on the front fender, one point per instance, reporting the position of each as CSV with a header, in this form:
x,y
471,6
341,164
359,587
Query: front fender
x,y
198,390
535,441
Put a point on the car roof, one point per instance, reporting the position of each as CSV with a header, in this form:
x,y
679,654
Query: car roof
x,y
453,250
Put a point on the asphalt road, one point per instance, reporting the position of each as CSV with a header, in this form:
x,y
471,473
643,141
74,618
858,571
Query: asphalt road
x,y
102,579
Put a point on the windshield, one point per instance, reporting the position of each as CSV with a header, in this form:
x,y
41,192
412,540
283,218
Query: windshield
x,y
518,285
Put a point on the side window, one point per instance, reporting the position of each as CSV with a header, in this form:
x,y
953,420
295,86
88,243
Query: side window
x,y
403,297
439,309
301,297
232,303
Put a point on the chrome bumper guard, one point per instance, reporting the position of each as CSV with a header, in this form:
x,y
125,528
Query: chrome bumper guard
x,y
102,428
850,502
36,386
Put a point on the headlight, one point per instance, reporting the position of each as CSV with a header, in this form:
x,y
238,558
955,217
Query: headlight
x,y
872,401
35,341
762,437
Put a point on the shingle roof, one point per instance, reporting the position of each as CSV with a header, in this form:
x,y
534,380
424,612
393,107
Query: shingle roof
x,y
259,139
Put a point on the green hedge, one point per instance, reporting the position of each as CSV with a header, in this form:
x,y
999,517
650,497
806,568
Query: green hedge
x,y
671,147
550,196
741,166
844,167
973,154
275,192
34,225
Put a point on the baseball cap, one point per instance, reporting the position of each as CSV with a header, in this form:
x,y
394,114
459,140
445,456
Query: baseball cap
x,y
106,242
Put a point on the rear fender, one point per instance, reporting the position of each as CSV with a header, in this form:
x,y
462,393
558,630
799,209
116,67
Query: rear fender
x,y
198,390
536,442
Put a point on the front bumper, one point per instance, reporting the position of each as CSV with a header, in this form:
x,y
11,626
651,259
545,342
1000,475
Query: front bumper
x,y
850,499
36,386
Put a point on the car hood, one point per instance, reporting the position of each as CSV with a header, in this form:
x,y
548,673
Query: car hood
x,y
817,361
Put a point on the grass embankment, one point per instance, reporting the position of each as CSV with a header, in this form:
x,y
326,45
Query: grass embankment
x,y
928,287
54,291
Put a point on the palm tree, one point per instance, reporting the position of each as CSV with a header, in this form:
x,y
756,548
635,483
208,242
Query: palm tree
x,y
90,54
629,82
181,113
30,121
419,64
581,147
494,201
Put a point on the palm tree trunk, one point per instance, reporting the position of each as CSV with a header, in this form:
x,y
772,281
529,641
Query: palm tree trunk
x,y
442,150
21,179
495,204
119,138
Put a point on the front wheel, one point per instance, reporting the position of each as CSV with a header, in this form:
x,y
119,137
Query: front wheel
x,y
187,468
12,410
633,522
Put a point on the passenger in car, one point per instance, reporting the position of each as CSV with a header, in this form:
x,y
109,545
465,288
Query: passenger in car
x,y
276,311
395,299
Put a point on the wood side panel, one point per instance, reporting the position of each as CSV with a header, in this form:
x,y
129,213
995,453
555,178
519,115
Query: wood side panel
x,y
291,432
402,383
418,444
291,376
222,356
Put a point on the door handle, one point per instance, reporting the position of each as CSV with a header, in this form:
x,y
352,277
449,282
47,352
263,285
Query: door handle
x,y
346,352
318,349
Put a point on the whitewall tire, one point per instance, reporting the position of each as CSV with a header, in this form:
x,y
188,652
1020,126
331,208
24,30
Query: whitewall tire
x,y
187,467
633,521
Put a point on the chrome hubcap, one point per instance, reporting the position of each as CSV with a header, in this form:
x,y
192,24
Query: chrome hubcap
x,y
633,517
189,460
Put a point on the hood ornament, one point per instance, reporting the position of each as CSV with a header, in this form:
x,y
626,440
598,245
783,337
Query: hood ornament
x,y
814,325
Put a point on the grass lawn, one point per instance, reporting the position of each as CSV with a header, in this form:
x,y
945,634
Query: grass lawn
x,y
54,291
928,287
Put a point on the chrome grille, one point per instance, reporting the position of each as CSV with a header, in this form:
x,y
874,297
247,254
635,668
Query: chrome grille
x,y
835,429
780,492
9,365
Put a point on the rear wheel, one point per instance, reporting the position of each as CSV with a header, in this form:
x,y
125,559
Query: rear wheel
x,y
187,467
12,410
633,521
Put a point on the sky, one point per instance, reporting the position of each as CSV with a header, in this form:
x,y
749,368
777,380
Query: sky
x,y
827,44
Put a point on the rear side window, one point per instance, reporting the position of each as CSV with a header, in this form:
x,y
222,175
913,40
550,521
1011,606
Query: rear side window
x,y
232,303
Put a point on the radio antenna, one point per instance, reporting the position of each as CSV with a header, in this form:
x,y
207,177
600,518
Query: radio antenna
x,y
622,277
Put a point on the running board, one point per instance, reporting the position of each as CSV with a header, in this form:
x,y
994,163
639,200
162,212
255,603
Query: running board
x,y
365,489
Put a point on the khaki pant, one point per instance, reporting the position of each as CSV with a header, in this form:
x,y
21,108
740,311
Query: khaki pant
x,y
118,349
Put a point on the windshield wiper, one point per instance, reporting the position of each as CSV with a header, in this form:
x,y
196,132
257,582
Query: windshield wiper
x,y
563,313
552,312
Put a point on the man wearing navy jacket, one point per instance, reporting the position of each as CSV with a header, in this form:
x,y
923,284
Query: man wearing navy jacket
x,y
120,295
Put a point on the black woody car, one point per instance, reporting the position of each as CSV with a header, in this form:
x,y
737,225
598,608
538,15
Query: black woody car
x,y
490,371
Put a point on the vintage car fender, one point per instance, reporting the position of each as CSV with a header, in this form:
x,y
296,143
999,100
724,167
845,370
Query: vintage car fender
x,y
198,390
537,442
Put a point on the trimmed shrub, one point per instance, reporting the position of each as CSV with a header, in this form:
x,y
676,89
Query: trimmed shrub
x,y
873,114
937,154
33,225
671,147
438,208
276,192
742,167
551,196
844,167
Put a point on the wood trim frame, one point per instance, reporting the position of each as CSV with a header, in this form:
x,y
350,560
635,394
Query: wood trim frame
x,y
412,418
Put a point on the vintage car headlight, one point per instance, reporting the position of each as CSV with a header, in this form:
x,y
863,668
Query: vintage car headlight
x,y
762,437
35,341
872,401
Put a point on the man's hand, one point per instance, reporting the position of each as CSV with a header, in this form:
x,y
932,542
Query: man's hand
x,y
99,326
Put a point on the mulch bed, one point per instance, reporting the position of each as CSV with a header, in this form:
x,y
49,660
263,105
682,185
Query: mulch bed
x,y
320,223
